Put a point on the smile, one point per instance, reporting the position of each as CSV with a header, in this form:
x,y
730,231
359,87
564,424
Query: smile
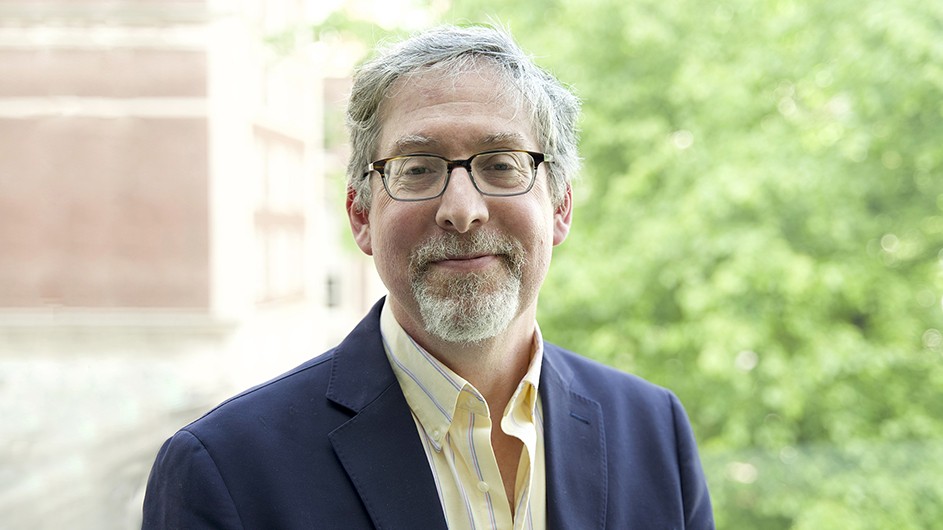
x,y
467,263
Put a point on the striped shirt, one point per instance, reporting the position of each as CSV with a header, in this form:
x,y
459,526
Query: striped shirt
x,y
454,424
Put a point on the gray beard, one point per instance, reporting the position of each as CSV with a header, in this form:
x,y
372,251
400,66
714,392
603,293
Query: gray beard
x,y
473,307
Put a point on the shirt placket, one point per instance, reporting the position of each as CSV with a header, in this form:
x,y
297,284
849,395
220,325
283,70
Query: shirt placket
x,y
518,422
472,442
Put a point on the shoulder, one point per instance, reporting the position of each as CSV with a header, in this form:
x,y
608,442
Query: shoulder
x,y
272,419
263,457
311,399
271,403
645,431
587,376
625,399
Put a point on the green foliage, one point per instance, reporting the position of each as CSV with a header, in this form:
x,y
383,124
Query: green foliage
x,y
340,23
759,227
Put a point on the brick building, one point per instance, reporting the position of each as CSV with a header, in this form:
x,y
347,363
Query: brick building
x,y
171,230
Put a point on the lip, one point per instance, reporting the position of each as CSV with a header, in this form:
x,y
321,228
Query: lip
x,y
467,263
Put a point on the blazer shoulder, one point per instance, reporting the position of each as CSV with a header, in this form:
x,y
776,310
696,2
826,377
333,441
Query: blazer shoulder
x,y
302,383
646,432
595,379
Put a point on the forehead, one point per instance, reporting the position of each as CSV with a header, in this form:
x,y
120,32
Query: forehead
x,y
439,110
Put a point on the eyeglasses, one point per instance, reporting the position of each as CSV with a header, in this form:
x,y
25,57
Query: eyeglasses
x,y
502,173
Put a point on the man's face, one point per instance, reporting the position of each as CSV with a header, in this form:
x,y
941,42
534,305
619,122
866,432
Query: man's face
x,y
462,266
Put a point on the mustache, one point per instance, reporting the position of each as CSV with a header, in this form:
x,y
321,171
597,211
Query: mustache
x,y
450,245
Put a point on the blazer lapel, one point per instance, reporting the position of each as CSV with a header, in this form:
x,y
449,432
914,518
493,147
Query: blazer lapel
x,y
379,446
575,447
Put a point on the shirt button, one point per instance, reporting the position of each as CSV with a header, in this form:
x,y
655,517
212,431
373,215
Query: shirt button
x,y
483,487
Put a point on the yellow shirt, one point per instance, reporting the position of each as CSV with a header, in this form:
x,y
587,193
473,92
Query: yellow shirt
x,y
454,424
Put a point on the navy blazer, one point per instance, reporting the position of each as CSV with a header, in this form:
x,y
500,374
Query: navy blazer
x,y
332,444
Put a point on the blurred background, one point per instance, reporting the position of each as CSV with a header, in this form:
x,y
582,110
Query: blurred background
x,y
758,226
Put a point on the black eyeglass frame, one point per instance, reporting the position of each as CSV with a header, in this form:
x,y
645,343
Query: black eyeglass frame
x,y
380,165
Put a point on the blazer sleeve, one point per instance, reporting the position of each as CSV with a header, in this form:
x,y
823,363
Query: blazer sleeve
x,y
185,489
698,513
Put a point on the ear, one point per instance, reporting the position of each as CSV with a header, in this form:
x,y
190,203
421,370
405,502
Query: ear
x,y
359,222
563,217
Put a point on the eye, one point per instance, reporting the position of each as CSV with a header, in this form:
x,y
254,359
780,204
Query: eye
x,y
501,162
503,166
416,168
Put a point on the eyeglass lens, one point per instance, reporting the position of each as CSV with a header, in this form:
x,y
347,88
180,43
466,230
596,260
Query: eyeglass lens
x,y
420,176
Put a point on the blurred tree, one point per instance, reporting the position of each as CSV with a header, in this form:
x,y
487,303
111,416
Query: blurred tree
x,y
759,227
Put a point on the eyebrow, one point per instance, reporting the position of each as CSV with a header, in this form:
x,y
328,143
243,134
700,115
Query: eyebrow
x,y
416,141
504,138
413,141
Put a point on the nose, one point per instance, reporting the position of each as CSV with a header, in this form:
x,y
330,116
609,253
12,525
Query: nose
x,y
461,207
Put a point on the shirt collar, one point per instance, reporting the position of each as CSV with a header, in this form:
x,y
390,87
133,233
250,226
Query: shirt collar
x,y
433,391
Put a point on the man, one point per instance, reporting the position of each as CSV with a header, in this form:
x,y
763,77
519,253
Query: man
x,y
444,408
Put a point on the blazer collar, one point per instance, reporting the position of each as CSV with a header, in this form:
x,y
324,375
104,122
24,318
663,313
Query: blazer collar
x,y
359,369
575,448
379,446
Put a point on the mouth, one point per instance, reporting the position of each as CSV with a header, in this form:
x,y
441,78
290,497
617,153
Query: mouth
x,y
462,257
469,263
482,253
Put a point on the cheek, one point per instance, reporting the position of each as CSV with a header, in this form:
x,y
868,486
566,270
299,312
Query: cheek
x,y
396,232
535,232
390,244
538,223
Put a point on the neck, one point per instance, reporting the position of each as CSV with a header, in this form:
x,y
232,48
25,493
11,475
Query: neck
x,y
494,366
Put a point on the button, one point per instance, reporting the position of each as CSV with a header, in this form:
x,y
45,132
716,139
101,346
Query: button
x,y
483,487
436,435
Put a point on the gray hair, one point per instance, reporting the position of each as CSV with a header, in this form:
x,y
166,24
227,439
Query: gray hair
x,y
553,109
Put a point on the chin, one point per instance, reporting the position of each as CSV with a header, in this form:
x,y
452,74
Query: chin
x,y
468,314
